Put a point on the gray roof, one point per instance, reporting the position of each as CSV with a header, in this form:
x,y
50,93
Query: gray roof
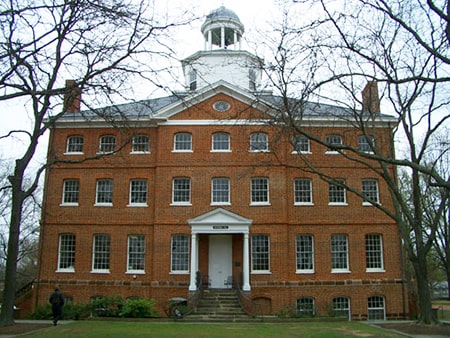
x,y
222,13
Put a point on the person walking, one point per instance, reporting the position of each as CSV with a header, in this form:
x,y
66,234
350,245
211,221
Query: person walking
x,y
57,301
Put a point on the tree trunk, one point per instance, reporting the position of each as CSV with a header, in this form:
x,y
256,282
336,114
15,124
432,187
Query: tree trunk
x,y
9,292
423,291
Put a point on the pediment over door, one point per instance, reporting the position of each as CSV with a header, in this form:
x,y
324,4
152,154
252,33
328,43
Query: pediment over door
x,y
220,221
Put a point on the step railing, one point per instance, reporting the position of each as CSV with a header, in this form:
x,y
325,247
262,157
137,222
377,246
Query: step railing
x,y
250,307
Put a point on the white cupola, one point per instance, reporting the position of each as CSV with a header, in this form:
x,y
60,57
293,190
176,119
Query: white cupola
x,y
223,59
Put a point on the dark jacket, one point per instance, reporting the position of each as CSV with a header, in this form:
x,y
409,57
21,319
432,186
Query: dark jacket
x,y
56,298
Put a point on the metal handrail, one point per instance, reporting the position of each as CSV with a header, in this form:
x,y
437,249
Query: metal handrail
x,y
194,298
250,307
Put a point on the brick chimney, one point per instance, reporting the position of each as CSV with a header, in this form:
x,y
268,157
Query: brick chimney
x,y
72,97
370,98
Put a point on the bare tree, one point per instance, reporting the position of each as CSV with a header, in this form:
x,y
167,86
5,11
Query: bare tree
x,y
401,47
104,46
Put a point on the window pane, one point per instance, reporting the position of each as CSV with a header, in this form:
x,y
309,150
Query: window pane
x,y
181,190
336,193
138,192
374,252
183,141
71,191
370,190
376,310
260,190
339,252
180,253
259,142
305,252
305,307
104,191
221,141
136,252
107,144
75,144
101,252
301,144
141,144
260,253
341,307
302,191
66,252
333,140
220,190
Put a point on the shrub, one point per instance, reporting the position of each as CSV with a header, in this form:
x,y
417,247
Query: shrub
x,y
69,311
138,308
43,312
107,306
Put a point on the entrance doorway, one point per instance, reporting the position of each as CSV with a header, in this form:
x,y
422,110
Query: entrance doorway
x,y
220,261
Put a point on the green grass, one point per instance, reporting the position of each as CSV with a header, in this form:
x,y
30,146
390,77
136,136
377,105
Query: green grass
x,y
186,330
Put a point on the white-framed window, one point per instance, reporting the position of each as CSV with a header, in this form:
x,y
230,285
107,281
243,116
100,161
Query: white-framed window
x,y
260,254
66,253
304,245
341,307
259,191
220,142
138,192
220,191
336,193
107,144
259,142
306,307
181,191
252,79
74,145
182,142
333,142
301,144
365,143
370,191
339,253
101,253
376,308
374,253
179,262
140,144
136,254
193,80
71,191
302,191
104,194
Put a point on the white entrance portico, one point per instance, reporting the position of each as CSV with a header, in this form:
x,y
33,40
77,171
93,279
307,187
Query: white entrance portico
x,y
220,222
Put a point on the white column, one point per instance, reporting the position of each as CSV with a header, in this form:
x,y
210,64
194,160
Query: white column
x,y
209,40
194,262
235,39
246,265
222,37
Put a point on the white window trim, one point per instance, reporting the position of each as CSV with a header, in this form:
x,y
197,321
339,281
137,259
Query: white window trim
x,y
296,152
66,270
342,204
140,152
265,203
306,271
220,151
138,204
341,271
74,153
75,204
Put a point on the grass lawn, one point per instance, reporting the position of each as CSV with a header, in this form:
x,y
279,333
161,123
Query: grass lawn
x,y
198,330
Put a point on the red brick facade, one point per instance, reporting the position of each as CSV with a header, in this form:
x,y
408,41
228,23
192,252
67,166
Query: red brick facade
x,y
277,289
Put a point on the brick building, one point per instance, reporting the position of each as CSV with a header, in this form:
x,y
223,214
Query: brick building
x,y
203,181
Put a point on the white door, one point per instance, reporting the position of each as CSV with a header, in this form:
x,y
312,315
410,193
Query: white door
x,y
220,257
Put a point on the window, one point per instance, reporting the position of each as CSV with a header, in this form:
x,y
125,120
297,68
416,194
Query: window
x,y
305,253
341,307
221,142
260,191
259,142
107,144
339,253
376,309
181,190
183,142
260,253
136,253
336,193
75,144
302,191
140,144
71,190
365,143
100,260
305,307
104,192
66,254
138,192
374,253
301,144
193,80
180,253
252,79
370,191
220,193
333,141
